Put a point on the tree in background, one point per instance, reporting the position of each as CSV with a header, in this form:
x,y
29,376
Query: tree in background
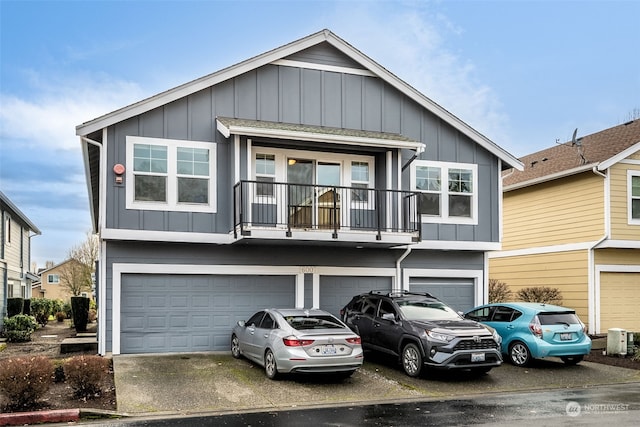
x,y
77,274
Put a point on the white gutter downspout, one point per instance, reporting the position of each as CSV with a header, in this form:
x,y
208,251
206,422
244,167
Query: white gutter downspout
x,y
594,291
399,285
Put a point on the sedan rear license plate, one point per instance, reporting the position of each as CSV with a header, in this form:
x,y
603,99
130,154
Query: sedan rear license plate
x,y
567,336
477,357
328,349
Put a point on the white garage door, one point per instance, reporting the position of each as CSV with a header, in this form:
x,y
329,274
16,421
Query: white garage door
x,y
459,294
187,313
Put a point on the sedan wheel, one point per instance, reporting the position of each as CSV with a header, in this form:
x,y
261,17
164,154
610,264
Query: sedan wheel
x,y
270,366
572,360
519,354
411,360
235,347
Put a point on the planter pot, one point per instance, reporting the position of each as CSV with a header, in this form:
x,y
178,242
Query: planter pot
x,y
80,311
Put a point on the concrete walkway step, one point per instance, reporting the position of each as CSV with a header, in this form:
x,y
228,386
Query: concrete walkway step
x,y
70,345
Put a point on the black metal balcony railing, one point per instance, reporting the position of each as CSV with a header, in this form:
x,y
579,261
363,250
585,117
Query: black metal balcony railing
x,y
272,205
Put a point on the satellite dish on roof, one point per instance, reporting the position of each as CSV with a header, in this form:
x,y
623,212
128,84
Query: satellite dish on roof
x,y
573,138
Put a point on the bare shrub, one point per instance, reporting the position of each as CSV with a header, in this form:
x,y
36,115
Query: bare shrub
x,y
25,380
542,294
85,374
498,291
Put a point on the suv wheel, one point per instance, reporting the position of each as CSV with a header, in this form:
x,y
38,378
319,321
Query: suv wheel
x,y
411,360
519,354
270,366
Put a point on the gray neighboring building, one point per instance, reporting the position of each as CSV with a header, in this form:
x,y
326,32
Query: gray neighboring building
x,y
15,254
299,177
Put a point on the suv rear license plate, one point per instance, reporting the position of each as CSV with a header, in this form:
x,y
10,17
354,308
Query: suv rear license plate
x,y
328,349
567,336
477,357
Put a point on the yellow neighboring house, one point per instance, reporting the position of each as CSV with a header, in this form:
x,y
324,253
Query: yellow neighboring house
x,y
571,220
51,283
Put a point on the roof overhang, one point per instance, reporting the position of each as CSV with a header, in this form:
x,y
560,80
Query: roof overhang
x,y
550,177
620,156
265,129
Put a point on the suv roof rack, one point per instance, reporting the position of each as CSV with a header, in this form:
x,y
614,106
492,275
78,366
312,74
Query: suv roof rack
x,y
400,293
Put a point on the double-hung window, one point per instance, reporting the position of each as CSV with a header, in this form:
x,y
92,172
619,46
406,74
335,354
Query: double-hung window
x,y
172,175
633,191
360,180
448,191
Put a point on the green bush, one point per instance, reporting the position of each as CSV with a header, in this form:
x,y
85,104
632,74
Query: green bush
x,y
19,328
25,380
85,374
542,294
57,305
498,291
14,306
41,309
66,307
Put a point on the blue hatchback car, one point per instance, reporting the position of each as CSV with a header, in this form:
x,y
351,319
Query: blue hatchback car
x,y
534,331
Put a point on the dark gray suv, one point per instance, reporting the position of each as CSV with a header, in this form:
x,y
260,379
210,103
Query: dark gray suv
x,y
421,331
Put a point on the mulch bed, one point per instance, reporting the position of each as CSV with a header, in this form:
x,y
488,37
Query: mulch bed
x,y
45,341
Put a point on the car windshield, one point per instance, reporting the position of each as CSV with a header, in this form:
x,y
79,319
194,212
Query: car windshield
x,y
426,310
314,322
558,318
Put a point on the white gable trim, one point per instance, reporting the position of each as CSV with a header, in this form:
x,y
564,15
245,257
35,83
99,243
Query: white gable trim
x,y
619,157
323,67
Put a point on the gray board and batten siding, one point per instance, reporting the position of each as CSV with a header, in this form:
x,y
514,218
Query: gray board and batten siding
x,y
172,312
300,96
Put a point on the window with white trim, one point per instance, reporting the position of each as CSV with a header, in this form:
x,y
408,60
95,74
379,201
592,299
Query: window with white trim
x,y
360,180
7,229
171,175
633,191
265,174
53,279
449,192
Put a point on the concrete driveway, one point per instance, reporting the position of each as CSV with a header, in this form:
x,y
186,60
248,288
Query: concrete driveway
x,y
197,382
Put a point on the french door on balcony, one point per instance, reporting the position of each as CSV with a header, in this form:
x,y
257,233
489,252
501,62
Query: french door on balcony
x,y
312,196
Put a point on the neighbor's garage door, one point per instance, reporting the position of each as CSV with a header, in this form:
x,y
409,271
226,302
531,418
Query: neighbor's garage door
x,y
337,291
619,301
459,294
186,313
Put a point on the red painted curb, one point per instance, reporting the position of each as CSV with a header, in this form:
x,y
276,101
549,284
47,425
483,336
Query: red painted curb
x,y
37,417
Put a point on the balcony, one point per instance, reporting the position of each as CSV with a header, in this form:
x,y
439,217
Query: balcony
x,y
358,215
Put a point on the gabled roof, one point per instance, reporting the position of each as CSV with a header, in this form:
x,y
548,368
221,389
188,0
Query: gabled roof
x,y
275,55
13,209
599,150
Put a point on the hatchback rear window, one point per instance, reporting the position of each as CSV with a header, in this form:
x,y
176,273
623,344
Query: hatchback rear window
x,y
314,322
568,318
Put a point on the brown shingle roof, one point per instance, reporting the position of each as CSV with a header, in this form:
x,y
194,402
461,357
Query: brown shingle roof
x,y
563,158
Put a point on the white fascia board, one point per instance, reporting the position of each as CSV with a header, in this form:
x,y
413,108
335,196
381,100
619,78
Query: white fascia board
x,y
619,244
317,137
457,245
618,157
547,178
569,247
166,236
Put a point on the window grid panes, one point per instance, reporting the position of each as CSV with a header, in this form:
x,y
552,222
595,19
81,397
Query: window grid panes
x,y
360,180
635,197
429,181
265,174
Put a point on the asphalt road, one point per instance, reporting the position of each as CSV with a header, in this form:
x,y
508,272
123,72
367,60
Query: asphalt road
x,y
595,406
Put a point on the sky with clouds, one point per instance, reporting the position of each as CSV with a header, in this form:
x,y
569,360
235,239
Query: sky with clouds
x,y
523,73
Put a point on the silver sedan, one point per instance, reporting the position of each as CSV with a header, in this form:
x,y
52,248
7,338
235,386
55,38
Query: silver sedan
x,y
297,341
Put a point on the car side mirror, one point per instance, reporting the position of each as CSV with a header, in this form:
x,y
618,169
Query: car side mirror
x,y
241,323
389,316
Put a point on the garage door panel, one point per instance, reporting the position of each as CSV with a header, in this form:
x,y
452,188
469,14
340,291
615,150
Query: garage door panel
x,y
619,301
193,313
459,294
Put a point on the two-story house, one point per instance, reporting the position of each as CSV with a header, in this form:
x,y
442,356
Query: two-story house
x,y
52,282
297,178
572,222
15,254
